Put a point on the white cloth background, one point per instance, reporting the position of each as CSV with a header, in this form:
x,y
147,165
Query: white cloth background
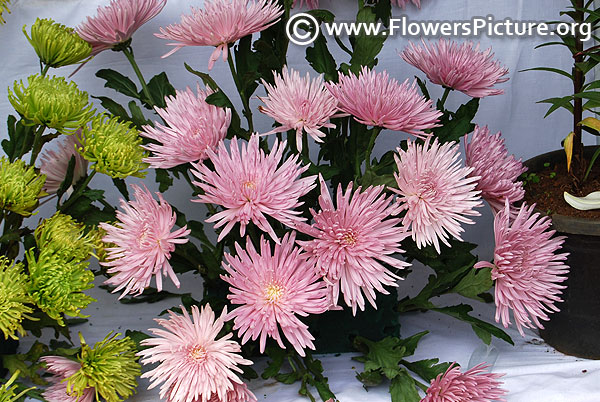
x,y
534,371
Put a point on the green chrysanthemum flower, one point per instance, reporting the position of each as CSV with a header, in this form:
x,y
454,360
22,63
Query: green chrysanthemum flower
x,y
61,234
56,284
3,8
8,391
110,367
20,187
56,44
13,299
53,102
113,147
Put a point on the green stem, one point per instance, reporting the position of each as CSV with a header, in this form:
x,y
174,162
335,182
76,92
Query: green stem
x,y
78,193
305,150
374,134
37,144
238,85
45,70
444,97
128,52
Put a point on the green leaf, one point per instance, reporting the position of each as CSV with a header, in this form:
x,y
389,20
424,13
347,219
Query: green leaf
x,y
476,281
122,187
137,116
321,60
427,369
552,70
113,108
383,355
206,79
370,378
163,179
277,356
557,103
370,178
365,47
403,388
455,125
160,87
138,337
68,181
118,82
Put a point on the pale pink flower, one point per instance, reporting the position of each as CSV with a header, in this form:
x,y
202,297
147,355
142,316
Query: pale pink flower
x,y
474,385
250,186
299,104
221,23
498,171
312,4
378,100
63,368
193,127
403,3
271,290
193,364
55,163
527,270
117,22
239,393
436,191
461,67
353,239
143,243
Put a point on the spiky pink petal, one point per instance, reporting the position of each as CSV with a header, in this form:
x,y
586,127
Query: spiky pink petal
x,y
193,127
461,67
527,269
436,191
220,23
272,289
193,364
54,164
143,243
299,104
117,22
378,100
250,186
62,368
474,385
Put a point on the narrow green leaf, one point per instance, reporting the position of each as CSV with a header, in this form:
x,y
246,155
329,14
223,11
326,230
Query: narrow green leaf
x,y
118,82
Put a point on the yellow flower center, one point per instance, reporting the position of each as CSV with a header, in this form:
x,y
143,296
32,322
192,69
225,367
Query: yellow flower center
x,y
198,353
249,185
349,238
273,293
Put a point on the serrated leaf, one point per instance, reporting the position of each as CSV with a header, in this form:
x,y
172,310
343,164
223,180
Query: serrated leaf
x,y
427,369
206,79
383,355
403,388
118,82
160,87
68,181
476,281
321,60
163,179
113,108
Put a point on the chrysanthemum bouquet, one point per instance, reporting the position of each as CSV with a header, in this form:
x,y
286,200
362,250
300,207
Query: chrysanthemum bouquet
x,y
312,232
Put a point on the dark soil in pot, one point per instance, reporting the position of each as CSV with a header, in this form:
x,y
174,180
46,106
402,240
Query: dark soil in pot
x,y
575,330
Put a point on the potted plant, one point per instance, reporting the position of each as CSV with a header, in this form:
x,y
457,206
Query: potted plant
x,y
558,182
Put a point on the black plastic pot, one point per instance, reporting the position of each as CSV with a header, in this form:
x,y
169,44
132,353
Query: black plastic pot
x,y
575,330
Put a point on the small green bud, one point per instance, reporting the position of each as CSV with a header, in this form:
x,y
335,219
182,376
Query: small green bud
x,y
20,187
13,299
114,147
56,44
53,102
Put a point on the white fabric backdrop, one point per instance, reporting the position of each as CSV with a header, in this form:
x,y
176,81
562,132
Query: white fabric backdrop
x,y
535,372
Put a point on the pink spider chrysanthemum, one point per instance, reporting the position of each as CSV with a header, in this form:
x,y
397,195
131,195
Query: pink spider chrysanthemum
x,y
193,364
461,67
312,4
239,393
117,22
436,191
378,100
299,104
527,270
221,23
271,290
141,243
403,3
193,127
474,385
353,240
498,171
54,164
250,186
62,368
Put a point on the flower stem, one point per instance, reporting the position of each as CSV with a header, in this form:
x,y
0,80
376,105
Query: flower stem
x,y
79,192
374,134
128,52
37,145
238,85
444,97
45,70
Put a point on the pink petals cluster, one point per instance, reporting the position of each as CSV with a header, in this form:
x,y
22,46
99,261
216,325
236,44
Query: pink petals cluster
x,y
497,171
271,290
220,23
299,104
352,241
251,185
61,369
312,4
474,385
141,242
527,271
193,127
435,191
117,22
55,163
375,99
462,67
195,365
